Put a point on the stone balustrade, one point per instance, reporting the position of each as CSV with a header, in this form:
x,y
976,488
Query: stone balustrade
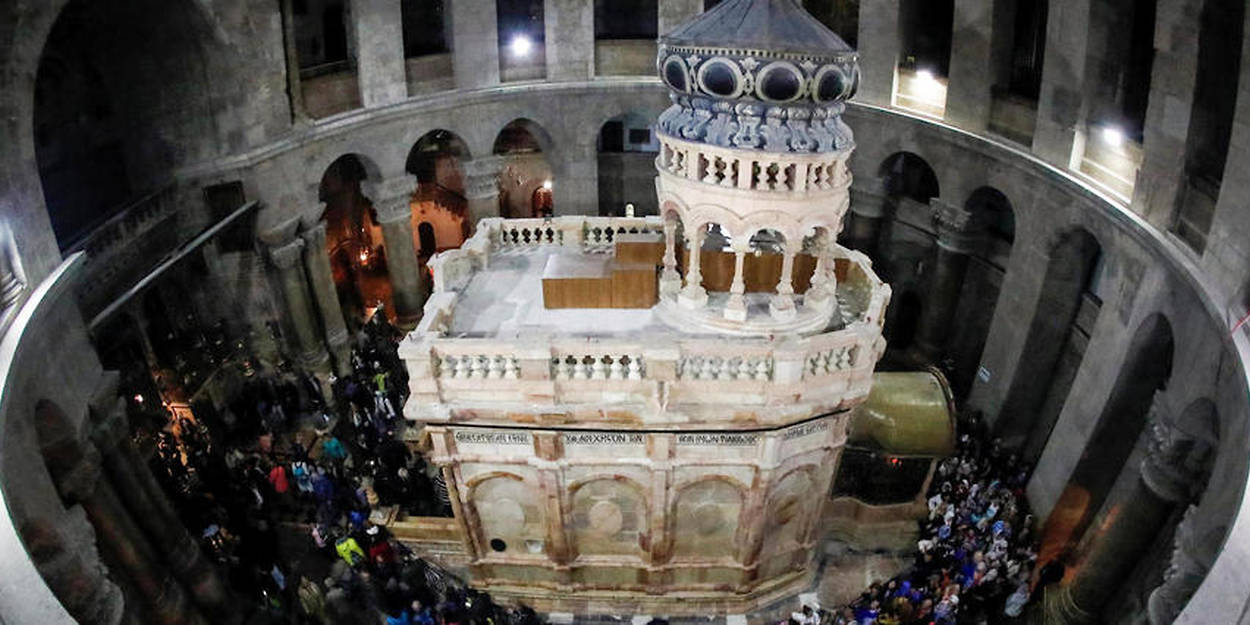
x,y
798,173
550,372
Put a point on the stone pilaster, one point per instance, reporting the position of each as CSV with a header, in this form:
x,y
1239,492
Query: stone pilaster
x,y
1174,72
481,183
1061,104
321,277
968,97
570,39
879,46
287,259
474,43
409,287
378,29
674,13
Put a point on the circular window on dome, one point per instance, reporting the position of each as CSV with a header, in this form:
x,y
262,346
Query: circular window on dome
x,y
779,82
676,76
830,84
720,77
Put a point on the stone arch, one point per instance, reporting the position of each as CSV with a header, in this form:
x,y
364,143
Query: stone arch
x,y
981,287
609,515
1146,369
524,145
706,518
354,238
1036,395
994,211
625,149
137,141
438,203
510,513
906,174
431,146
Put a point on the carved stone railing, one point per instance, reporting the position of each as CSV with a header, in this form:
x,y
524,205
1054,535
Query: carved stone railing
x,y
799,173
553,373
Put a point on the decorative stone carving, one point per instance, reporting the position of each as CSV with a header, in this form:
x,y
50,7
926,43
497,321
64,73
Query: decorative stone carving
x,y
958,229
481,177
1184,574
11,286
1175,463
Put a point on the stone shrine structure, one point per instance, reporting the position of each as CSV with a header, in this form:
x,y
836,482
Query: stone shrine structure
x,y
668,459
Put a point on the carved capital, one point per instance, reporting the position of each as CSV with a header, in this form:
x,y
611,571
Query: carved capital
x,y
287,256
481,177
1175,463
314,236
958,229
868,197
394,210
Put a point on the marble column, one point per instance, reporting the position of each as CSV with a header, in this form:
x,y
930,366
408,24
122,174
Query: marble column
x,y
288,260
408,284
736,305
879,47
481,183
1174,74
968,96
869,206
674,13
693,295
377,26
781,306
76,469
474,43
570,39
321,277
958,235
1061,103
148,505
670,280
1169,474
824,283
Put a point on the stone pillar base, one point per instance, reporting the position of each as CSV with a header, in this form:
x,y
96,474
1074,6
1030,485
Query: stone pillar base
x,y
736,308
692,297
782,308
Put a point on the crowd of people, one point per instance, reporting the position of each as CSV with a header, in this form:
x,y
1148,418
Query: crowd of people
x,y
975,556
289,456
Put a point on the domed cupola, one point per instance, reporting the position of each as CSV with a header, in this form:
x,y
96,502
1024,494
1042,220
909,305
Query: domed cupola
x,y
758,74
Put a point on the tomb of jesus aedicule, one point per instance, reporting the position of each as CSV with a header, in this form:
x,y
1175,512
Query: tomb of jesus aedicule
x,y
644,413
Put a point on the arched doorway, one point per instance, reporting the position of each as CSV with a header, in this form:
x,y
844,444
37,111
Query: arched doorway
x,y
438,203
983,277
354,241
525,182
627,147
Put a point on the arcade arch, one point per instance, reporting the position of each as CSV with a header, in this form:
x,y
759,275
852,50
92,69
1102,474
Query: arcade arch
x,y
525,181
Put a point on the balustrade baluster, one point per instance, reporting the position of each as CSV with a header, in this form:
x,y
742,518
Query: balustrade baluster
x,y
635,368
616,371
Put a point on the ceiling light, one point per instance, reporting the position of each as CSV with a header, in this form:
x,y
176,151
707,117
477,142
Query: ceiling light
x,y
1112,136
547,185
521,46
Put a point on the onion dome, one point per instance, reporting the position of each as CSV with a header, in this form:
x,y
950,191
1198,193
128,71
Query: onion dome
x,y
758,74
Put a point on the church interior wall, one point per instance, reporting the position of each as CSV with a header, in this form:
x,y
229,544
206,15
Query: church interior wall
x,y
243,130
